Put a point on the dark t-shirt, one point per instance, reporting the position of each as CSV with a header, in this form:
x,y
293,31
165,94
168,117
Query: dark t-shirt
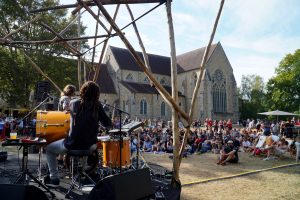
x,y
83,126
230,148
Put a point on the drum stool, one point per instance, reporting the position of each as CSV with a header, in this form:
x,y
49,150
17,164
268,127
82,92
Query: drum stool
x,y
81,155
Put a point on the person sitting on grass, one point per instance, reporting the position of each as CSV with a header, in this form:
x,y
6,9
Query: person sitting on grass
x,y
229,154
277,149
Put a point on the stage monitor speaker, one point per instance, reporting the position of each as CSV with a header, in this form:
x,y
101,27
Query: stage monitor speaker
x,y
42,90
130,185
21,192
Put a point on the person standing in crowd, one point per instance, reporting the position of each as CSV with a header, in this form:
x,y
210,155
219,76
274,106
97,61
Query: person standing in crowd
x,y
86,113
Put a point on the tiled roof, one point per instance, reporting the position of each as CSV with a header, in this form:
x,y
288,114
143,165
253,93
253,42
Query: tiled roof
x,y
192,60
158,64
144,88
105,81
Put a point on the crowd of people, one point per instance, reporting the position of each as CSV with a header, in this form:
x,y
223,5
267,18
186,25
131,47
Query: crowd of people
x,y
219,137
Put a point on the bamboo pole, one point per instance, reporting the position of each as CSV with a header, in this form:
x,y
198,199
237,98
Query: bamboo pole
x,y
128,24
35,66
65,44
79,57
91,3
70,24
105,45
53,41
201,68
175,129
145,56
139,61
95,40
93,14
22,27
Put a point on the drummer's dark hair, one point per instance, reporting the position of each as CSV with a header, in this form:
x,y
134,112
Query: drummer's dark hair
x,y
89,94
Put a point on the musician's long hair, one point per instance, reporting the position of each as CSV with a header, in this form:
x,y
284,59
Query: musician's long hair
x,y
89,94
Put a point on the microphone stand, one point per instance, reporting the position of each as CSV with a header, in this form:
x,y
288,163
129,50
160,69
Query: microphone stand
x,y
120,112
46,99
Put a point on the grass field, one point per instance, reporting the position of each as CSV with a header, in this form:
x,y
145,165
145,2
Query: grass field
x,y
283,183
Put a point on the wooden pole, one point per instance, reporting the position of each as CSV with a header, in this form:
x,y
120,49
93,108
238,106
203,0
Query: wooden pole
x,y
139,61
105,45
93,14
78,49
65,44
22,27
198,83
91,3
35,66
145,56
95,40
175,129
5,41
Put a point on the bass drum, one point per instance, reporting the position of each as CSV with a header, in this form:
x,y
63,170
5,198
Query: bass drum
x,y
52,125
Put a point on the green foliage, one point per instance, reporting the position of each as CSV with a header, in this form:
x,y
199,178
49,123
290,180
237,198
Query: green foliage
x,y
284,89
17,76
252,96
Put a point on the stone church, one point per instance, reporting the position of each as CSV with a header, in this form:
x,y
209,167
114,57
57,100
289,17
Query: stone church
x,y
123,83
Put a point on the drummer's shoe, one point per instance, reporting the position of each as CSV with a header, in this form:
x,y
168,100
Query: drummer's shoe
x,y
51,182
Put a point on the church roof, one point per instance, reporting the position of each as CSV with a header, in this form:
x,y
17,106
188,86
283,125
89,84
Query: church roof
x,y
192,60
105,81
144,88
158,64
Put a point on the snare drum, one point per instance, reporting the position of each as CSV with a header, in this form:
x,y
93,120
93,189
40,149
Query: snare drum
x,y
52,125
111,153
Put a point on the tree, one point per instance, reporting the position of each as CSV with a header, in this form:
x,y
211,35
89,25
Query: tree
x,y
283,89
17,77
252,95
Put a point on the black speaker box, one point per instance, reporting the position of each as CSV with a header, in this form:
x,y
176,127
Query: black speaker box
x,y
21,192
132,185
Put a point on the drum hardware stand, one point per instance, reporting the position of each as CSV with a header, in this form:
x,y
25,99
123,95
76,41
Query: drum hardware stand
x,y
25,171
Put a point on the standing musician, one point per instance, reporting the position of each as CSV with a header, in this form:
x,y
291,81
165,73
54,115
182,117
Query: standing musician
x,y
85,113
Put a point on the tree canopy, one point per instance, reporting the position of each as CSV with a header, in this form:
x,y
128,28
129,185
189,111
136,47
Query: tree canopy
x,y
17,77
283,90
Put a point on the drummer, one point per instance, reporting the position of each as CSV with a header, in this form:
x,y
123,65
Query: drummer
x,y
64,105
65,97
85,112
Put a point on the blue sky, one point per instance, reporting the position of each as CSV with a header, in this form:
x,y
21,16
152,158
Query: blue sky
x,y
255,34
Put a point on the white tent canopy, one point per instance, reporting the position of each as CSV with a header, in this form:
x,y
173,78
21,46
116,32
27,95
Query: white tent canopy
x,y
277,113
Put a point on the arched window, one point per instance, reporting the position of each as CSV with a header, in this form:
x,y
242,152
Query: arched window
x,y
219,92
146,80
163,81
129,77
193,80
163,109
183,87
143,107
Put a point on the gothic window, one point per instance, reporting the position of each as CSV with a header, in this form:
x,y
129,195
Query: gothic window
x,y
163,81
219,92
143,107
163,109
182,87
195,78
129,77
146,80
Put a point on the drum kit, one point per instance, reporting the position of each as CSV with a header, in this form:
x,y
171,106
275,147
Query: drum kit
x,y
113,150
